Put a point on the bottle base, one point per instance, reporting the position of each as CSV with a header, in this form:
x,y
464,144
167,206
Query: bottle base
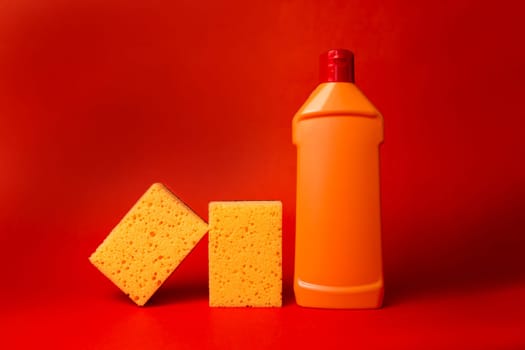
x,y
368,296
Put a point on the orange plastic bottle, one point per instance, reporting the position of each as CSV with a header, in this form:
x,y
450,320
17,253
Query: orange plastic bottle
x,y
337,132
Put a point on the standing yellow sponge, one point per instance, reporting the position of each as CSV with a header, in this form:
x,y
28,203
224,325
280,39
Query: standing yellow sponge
x,y
245,253
149,243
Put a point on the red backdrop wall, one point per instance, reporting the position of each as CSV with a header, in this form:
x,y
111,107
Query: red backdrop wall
x,y
98,99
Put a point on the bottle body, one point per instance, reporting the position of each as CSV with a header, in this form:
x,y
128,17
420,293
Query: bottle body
x,y
338,262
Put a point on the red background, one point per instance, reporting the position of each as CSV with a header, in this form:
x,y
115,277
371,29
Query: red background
x,y
98,99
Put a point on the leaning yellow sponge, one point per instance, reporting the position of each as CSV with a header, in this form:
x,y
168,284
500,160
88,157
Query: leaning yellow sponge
x,y
149,243
245,247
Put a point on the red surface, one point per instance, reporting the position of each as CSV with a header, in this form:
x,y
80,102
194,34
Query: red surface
x,y
98,99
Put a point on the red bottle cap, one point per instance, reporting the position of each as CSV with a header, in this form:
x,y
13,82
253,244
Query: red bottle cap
x,y
336,65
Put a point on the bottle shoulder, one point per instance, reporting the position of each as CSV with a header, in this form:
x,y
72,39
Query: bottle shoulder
x,y
337,99
341,100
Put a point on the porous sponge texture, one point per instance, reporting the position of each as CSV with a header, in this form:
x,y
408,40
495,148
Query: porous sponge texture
x,y
245,254
149,243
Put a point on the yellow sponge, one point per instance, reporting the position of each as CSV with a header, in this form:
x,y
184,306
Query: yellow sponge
x,y
245,247
149,243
